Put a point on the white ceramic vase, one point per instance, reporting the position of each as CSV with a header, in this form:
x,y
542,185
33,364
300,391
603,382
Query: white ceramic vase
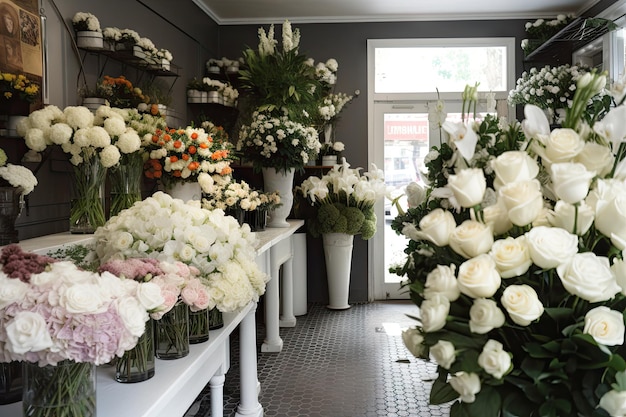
x,y
185,191
282,182
329,160
338,256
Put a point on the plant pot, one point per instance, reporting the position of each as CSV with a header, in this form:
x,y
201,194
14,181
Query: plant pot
x,y
338,256
138,363
282,182
329,160
194,96
213,97
198,326
88,39
94,103
213,69
171,333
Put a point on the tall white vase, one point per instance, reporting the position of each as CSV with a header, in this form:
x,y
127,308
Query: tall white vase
x,y
338,255
283,183
185,191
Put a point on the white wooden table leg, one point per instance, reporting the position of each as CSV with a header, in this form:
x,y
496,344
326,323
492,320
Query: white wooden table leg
x,y
287,319
272,342
217,395
249,402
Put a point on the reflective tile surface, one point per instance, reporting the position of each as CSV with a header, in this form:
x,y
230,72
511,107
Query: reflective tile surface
x,y
349,363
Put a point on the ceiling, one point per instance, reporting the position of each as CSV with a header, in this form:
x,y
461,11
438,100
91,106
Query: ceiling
x,y
321,11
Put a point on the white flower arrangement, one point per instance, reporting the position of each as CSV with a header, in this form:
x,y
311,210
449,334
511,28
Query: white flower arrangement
x,y
164,54
332,105
326,72
541,30
17,175
84,21
169,229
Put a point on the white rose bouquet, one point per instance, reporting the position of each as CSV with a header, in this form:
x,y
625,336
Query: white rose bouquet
x,y
170,230
516,261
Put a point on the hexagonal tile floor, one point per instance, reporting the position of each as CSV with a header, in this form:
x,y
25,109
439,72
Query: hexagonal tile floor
x,y
349,363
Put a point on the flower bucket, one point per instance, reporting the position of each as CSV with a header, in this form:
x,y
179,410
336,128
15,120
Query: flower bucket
x,y
216,319
338,256
10,382
256,219
125,180
89,40
137,364
329,160
67,389
11,203
185,190
198,326
94,103
86,207
213,97
213,69
283,183
194,96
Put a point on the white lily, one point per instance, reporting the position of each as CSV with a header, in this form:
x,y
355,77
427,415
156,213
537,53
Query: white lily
x,y
613,127
463,137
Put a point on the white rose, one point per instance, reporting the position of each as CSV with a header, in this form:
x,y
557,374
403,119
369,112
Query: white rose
x,y
495,216
611,219
485,315
11,290
27,332
441,280
471,238
149,295
443,353
437,226
565,215
605,325
522,304
494,359
596,157
413,340
513,166
415,194
434,312
468,186
563,145
523,200
550,246
619,270
511,256
133,315
467,385
571,181
478,277
83,299
614,403
588,276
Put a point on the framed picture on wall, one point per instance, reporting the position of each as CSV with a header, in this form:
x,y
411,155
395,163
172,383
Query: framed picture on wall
x,y
21,39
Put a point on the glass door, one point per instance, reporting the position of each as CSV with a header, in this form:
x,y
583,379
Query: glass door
x,y
403,136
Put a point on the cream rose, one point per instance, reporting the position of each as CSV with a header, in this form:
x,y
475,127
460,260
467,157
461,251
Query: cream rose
x,y
471,238
149,295
443,353
606,326
494,359
511,256
571,181
413,340
550,246
513,166
468,186
467,385
522,304
12,290
588,276
596,157
611,219
133,314
442,280
27,332
619,270
563,145
478,277
523,200
82,299
565,215
485,315
434,312
436,227
614,403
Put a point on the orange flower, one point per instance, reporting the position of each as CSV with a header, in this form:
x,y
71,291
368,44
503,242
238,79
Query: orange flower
x,y
226,170
203,145
178,144
173,158
194,136
154,109
193,166
185,157
192,149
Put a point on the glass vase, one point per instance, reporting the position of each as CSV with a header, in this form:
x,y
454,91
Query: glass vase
x,y
65,390
172,333
137,364
256,219
86,208
11,203
198,326
125,182
10,382
237,213
216,319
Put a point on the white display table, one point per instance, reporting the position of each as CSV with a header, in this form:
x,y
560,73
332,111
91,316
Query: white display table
x,y
275,249
176,383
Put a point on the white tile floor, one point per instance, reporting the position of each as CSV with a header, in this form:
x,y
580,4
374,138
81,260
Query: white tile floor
x,y
349,363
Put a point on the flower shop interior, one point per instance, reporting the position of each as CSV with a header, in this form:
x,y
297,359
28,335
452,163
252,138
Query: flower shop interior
x,y
156,66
